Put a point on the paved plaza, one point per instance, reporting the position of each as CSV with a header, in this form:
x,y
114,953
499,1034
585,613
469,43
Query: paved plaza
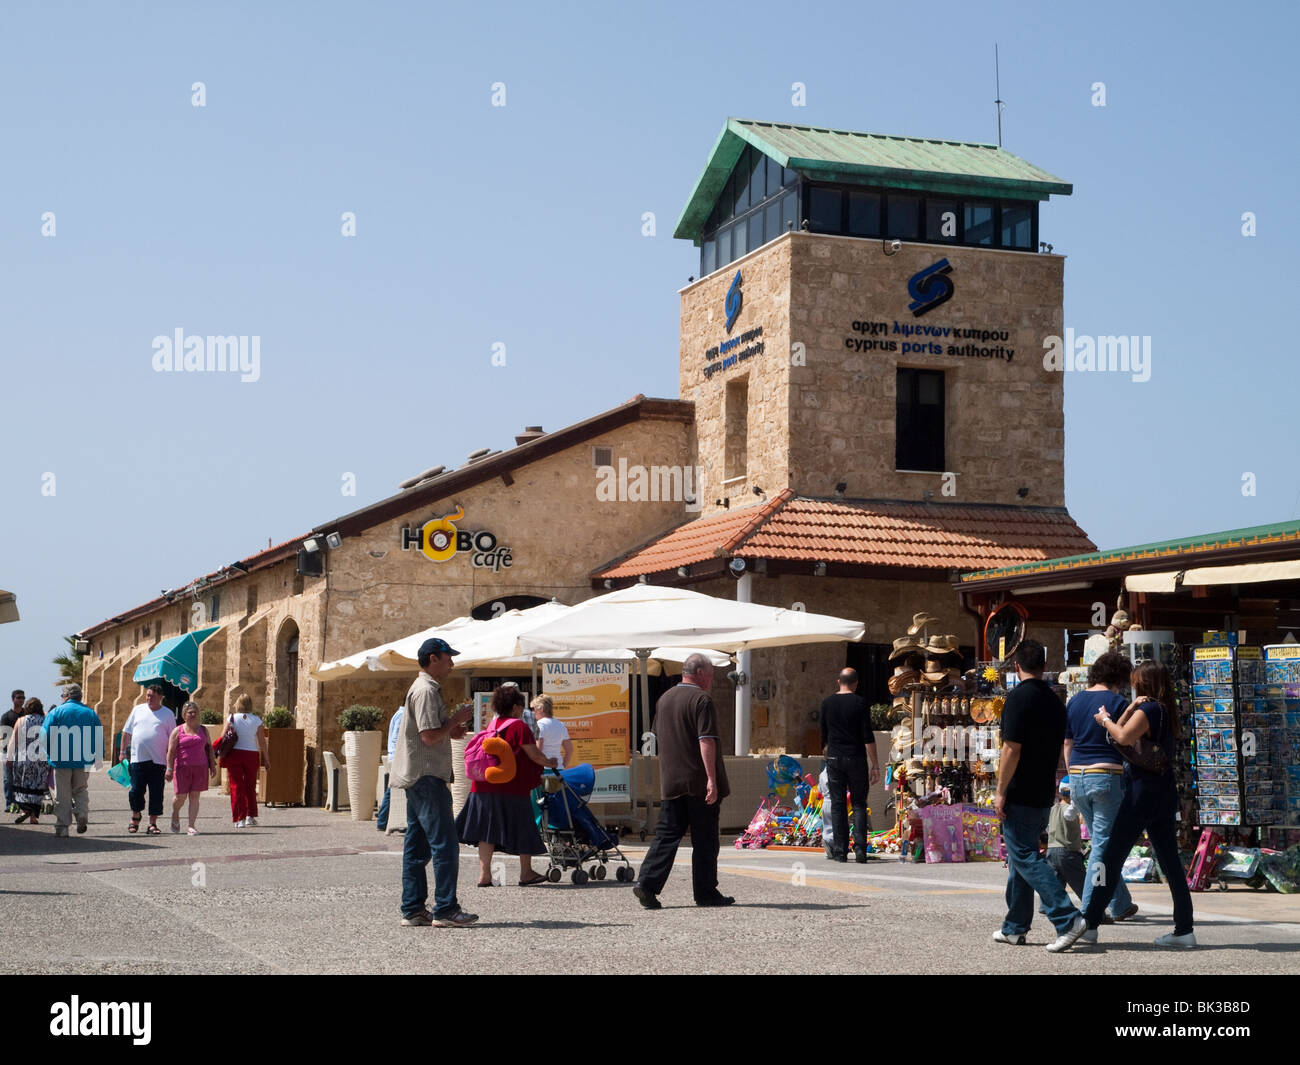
x,y
310,891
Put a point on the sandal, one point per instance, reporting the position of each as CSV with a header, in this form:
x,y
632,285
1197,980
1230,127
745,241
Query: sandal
x,y
533,881
485,883
193,831
134,826
176,823
21,818
153,830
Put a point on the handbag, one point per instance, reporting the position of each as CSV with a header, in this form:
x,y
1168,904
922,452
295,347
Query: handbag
x,y
121,773
226,743
1144,752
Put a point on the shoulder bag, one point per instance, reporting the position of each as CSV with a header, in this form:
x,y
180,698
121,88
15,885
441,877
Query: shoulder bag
x,y
226,743
1145,752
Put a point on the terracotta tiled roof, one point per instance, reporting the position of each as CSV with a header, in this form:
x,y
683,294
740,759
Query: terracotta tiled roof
x,y
696,541
867,533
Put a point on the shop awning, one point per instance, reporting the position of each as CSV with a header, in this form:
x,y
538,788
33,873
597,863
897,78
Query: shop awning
x,y
175,661
8,607
1205,576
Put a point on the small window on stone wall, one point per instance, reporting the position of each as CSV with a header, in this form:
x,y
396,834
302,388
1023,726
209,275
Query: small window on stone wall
x,y
737,422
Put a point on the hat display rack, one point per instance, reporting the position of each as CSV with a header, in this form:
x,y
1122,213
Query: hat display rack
x,y
947,723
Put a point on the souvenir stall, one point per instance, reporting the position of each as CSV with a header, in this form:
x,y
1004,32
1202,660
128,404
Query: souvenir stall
x,y
944,760
1227,633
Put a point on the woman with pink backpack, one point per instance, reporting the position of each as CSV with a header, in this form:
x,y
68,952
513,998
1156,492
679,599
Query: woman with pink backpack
x,y
504,765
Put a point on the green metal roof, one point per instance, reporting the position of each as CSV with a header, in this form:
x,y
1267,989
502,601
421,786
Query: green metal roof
x,y
1257,535
955,168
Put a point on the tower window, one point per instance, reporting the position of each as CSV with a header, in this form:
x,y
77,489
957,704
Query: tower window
x,y
918,443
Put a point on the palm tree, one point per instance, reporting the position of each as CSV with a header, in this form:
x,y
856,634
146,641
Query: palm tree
x,y
69,663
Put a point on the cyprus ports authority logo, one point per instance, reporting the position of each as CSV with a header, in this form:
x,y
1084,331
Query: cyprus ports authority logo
x,y
929,288
735,300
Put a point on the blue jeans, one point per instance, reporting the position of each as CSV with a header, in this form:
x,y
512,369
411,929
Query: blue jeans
x,y
381,819
1098,797
1028,872
430,833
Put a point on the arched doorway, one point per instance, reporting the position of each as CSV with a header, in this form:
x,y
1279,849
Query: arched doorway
x,y
286,667
494,608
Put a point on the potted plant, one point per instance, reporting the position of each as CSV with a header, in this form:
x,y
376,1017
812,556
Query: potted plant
x,y
362,742
286,749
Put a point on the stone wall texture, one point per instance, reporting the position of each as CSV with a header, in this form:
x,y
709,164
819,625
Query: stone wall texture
x,y
822,412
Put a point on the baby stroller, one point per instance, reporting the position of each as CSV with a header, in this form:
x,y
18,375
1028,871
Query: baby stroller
x,y
571,832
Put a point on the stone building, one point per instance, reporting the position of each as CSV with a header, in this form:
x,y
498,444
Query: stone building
x,y
864,411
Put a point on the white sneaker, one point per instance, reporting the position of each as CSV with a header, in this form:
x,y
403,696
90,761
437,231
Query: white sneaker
x,y
242,824
1069,937
1186,942
1017,940
250,822
1089,938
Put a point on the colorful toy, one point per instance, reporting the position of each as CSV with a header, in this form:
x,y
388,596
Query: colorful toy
x,y
1207,853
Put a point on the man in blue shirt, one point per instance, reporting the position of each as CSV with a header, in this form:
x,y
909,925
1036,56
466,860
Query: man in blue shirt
x,y
394,730
74,743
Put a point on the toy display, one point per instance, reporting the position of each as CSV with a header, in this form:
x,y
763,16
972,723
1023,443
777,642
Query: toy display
x,y
792,816
942,834
1282,870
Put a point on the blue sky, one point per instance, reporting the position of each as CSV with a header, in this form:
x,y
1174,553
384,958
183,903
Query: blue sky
x,y
522,225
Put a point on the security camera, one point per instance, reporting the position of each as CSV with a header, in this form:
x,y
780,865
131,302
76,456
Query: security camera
x,y
736,567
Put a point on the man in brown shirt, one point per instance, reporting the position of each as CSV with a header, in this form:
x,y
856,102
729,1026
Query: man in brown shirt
x,y
692,784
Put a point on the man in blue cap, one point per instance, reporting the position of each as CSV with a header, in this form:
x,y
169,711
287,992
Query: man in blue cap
x,y
422,764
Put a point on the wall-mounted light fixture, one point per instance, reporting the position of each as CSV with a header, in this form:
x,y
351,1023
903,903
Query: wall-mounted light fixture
x,y
819,570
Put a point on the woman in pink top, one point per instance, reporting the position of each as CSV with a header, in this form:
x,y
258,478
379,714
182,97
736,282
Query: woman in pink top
x,y
190,762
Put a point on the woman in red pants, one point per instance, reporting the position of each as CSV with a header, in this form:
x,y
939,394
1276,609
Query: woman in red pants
x,y
243,761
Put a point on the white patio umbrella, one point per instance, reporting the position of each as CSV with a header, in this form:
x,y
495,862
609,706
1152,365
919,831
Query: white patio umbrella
x,y
482,644
647,616
407,645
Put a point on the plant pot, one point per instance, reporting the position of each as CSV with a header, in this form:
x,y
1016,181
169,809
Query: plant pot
x,y
459,786
286,780
361,749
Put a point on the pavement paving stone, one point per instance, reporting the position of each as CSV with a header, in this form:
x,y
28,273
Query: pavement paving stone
x,y
313,892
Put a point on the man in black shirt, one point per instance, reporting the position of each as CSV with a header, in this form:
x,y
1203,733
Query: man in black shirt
x,y
692,785
1033,731
848,744
7,722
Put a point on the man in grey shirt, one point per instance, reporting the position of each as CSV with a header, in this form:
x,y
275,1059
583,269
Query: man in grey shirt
x,y
422,764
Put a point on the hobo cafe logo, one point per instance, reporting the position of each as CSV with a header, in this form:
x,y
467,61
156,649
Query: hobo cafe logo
x,y
929,288
440,541
734,301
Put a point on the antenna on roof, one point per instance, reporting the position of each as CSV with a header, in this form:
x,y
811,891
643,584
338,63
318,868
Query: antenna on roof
x,y
997,75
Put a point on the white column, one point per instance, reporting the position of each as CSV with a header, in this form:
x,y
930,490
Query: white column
x,y
744,589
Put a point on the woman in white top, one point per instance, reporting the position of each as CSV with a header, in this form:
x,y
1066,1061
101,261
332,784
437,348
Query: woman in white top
x,y
243,762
